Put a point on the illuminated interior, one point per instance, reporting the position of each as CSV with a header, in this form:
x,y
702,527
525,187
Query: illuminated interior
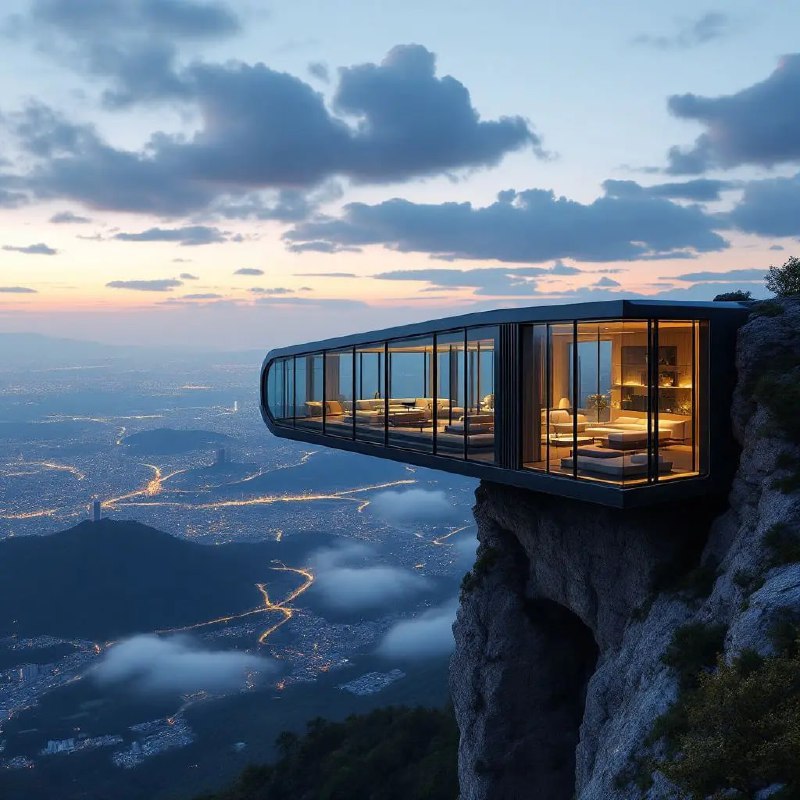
x,y
614,402
431,394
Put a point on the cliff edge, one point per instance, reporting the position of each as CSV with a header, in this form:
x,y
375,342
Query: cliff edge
x,y
587,636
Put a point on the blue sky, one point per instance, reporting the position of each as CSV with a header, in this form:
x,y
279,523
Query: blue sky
x,y
245,174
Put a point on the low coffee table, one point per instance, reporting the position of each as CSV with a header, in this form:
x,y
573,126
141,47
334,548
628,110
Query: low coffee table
x,y
564,440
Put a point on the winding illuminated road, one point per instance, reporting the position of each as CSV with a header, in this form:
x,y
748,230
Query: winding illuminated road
x,y
282,607
152,488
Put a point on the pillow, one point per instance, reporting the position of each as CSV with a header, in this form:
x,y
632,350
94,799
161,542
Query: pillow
x,y
333,407
559,415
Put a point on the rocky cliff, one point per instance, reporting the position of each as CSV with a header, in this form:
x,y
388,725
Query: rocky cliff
x,y
568,636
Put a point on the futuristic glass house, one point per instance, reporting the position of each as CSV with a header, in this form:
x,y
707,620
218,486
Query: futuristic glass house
x,y
621,403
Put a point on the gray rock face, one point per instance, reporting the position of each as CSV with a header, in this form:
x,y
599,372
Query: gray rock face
x,y
557,675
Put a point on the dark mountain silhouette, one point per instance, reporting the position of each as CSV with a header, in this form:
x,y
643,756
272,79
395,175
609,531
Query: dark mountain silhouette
x,y
102,580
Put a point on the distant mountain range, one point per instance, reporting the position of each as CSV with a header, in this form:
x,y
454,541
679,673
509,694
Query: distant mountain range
x,y
102,580
21,349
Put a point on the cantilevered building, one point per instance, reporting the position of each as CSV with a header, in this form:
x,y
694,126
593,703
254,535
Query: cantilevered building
x,y
622,403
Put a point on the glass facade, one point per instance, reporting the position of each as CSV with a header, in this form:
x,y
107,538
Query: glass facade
x,y
610,401
429,394
613,401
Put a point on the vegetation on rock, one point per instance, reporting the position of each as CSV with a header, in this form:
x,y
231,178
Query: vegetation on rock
x,y
736,296
733,730
483,563
391,753
784,281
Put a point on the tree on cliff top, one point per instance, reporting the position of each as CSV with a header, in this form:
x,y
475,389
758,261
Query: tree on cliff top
x,y
736,296
785,281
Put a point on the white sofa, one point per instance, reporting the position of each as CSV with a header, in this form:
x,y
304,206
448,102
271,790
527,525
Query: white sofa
x,y
561,421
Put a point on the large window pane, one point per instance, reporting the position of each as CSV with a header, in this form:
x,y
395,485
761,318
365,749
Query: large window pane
x,y
308,391
410,413
339,393
450,394
598,458
677,379
275,389
370,400
559,421
630,431
480,408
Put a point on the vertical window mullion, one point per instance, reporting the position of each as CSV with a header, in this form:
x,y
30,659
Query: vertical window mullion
x,y
575,399
466,396
435,387
387,377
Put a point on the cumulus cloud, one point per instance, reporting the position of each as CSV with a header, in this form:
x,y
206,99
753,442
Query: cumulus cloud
x,y
150,664
187,236
201,296
249,271
429,635
412,507
68,217
606,283
769,207
277,290
491,281
757,125
131,42
16,290
745,275
40,249
531,225
690,33
699,189
348,579
186,276
320,71
156,285
262,130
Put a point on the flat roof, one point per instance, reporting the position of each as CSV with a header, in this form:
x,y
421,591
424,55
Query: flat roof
x,y
605,309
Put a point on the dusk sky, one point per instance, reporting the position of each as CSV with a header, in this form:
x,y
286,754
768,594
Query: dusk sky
x,y
250,174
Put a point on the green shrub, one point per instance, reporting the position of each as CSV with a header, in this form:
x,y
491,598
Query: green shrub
x,y
739,729
483,563
736,296
784,281
693,651
784,631
782,544
766,308
736,730
788,484
779,392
